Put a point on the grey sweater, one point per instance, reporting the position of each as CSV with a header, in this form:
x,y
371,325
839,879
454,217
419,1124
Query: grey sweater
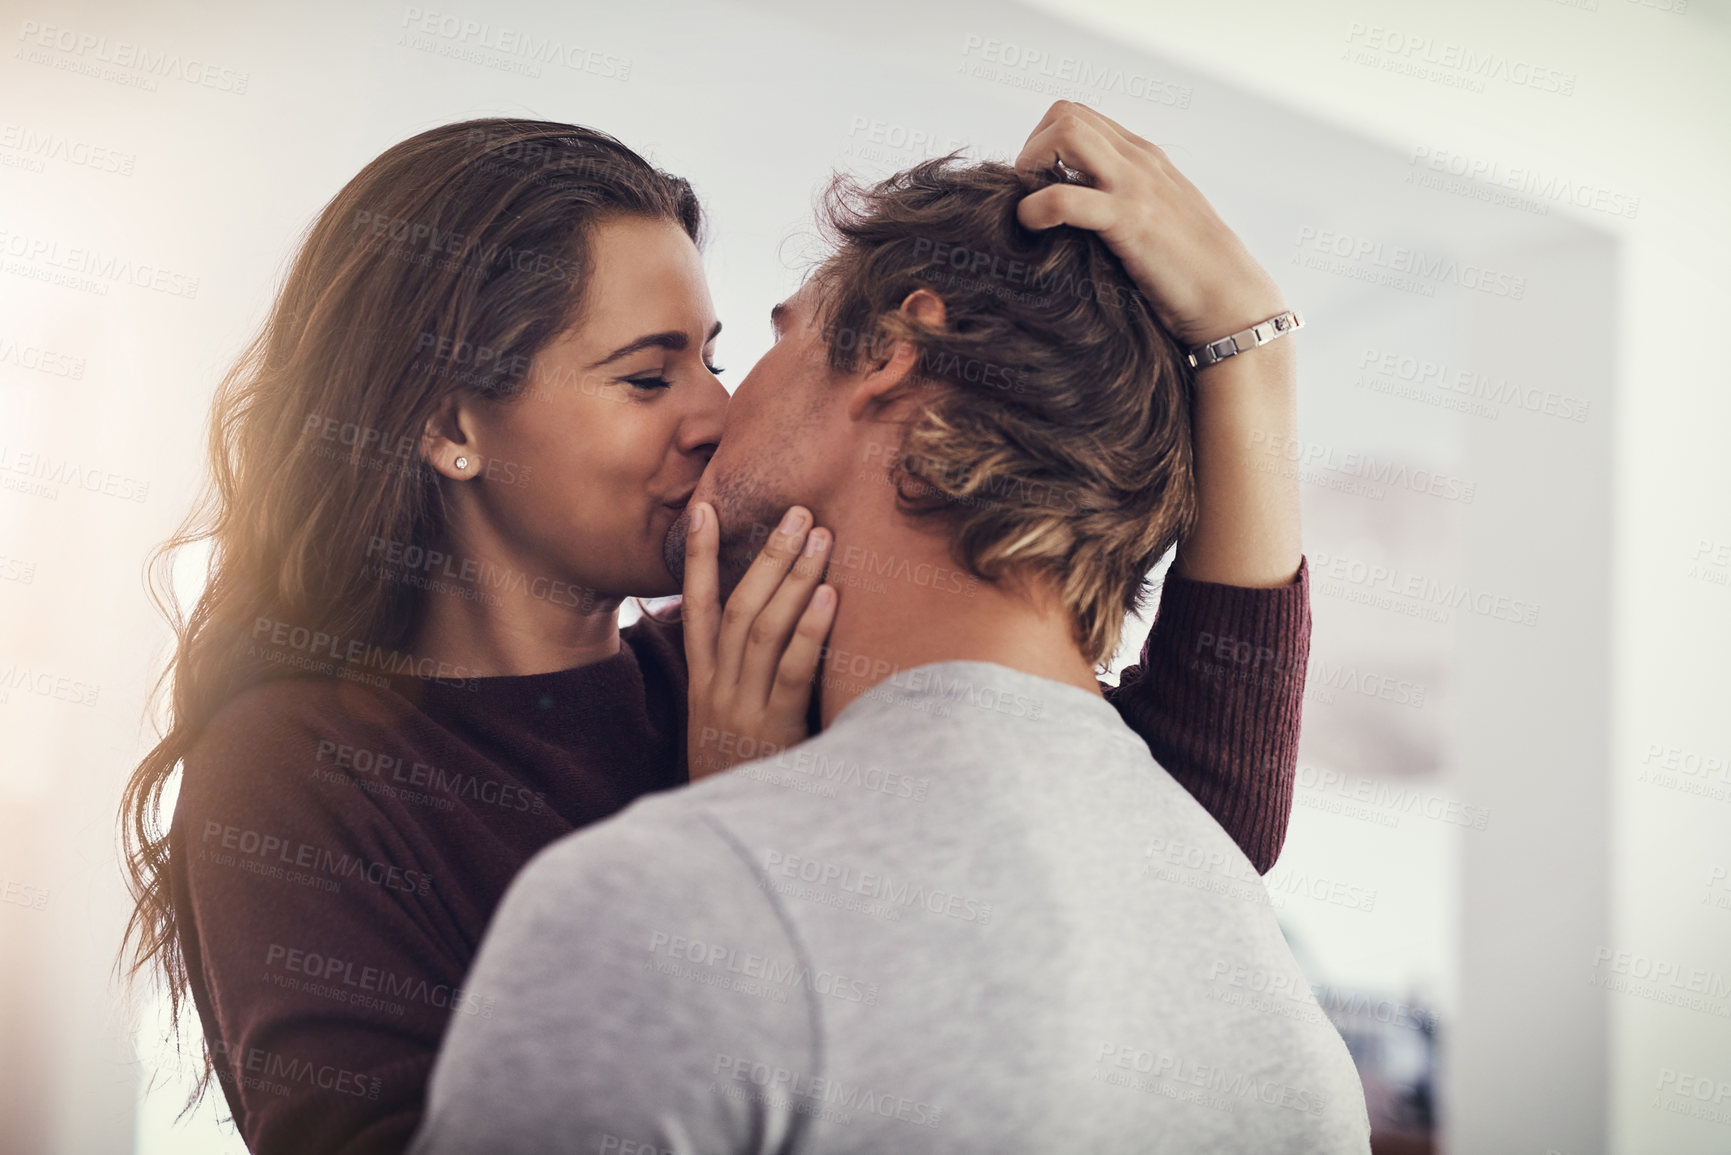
x,y
972,915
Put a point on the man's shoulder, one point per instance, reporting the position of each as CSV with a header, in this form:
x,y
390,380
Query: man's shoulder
x,y
662,851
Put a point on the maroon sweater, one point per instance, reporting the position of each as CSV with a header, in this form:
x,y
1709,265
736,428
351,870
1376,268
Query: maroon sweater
x,y
338,849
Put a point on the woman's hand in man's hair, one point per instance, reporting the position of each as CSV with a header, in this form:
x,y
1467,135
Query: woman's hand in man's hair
x,y
1199,277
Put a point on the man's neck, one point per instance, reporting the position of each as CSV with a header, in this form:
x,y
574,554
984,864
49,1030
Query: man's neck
x,y
905,603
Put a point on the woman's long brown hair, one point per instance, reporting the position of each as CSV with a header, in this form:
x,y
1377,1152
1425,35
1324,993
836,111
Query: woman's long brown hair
x,y
444,266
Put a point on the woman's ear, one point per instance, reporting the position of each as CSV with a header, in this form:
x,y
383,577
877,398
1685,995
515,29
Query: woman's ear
x,y
923,308
448,441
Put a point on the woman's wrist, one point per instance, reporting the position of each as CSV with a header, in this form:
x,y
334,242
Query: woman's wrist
x,y
1245,414
1248,303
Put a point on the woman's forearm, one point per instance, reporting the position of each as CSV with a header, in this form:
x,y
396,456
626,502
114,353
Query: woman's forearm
x,y
1246,412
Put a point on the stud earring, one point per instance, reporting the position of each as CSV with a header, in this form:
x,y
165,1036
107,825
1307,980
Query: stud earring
x,y
462,463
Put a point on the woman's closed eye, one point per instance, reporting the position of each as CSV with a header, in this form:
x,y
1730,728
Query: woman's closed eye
x,y
657,381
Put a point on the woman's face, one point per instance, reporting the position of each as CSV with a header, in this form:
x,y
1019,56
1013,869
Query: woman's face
x,y
581,474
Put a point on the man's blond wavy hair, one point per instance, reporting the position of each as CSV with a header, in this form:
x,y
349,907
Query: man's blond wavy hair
x,y
1052,433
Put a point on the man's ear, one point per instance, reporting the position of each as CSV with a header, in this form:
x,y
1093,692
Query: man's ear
x,y
449,438
922,307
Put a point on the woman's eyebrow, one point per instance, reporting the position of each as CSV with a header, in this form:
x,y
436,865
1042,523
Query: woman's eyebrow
x,y
671,340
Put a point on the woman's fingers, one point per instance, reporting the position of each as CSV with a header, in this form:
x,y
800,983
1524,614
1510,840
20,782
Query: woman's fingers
x,y
1111,128
1067,204
1116,166
1095,149
1197,275
701,603
791,694
766,643
756,589
768,637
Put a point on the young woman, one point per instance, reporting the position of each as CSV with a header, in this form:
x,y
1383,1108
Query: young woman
x,y
482,396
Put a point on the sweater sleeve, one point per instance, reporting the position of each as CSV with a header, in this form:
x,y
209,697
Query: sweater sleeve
x,y
322,967
1218,697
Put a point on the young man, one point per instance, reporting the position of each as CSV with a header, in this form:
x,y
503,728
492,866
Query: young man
x,y
973,914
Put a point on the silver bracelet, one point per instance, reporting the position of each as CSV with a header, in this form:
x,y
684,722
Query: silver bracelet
x,y
1261,334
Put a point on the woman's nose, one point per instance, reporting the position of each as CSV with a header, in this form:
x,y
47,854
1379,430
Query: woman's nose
x,y
701,429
